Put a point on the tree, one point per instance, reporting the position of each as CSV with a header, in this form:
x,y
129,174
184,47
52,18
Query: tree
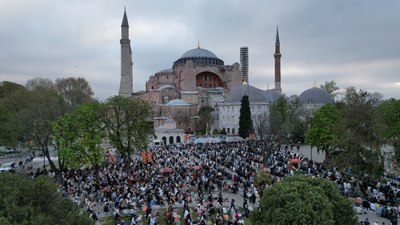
x,y
322,132
278,117
390,112
75,91
206,118
262,126
126,124
303,200
245,122
78,136
287,119
330,87
26,201
44,107
13,99
262,180
359,144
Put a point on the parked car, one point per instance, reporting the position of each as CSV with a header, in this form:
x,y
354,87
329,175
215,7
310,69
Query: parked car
x,y
7,167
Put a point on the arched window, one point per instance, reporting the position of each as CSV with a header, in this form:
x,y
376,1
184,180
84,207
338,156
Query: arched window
x,y
228,131
171,140
164,140
178,139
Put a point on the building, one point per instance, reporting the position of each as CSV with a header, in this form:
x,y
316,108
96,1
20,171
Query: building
x,y
200,78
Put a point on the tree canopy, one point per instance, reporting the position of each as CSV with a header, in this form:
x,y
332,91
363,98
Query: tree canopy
x,y
351,133
126,121
303,200
390,112
322,133
24,201
245,122
330,87
75,91
287,119
78,135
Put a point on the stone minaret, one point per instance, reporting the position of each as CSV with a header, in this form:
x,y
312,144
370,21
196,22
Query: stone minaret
x,y
244,64
126,85
277,56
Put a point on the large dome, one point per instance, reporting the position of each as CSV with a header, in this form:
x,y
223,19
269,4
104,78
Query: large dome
x,y
199,52
199,56
255,95
316,96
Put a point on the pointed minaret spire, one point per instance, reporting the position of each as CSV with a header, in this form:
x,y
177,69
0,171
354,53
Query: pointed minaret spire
x,y
277,36
277,56
198,44
125,19
126,85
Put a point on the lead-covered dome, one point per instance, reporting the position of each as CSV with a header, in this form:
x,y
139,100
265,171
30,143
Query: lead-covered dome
x,y
199,56
199,52
316,96
255,95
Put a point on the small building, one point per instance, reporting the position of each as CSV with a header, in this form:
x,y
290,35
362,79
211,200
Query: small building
x,y
168,133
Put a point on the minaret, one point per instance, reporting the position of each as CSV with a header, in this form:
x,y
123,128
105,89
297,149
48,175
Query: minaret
x,y
126,85
277,56
244,64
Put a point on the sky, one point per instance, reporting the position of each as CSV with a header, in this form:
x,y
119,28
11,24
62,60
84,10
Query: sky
x,y
355,43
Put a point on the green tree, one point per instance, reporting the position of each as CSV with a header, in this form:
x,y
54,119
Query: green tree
x,y
262,180
359,144
13,99
206,118
26,201
287,119
78,136
278,117
390,112
303,200
75,91
322,131
245,122
126,124
44,107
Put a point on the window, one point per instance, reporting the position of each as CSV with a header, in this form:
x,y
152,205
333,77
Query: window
x,y
228,131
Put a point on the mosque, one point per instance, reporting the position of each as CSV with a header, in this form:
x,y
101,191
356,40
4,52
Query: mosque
x,y
199,78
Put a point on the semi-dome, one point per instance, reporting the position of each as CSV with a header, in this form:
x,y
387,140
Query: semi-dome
x,y
255,95
316,96
199,56
177,102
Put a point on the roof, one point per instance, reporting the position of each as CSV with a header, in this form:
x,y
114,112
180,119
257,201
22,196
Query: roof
x,y
199,56
272,95
316,96
177,102
165,86
198,53
255,95
125,20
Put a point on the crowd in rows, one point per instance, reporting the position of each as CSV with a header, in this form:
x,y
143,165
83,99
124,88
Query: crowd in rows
x,y
196,175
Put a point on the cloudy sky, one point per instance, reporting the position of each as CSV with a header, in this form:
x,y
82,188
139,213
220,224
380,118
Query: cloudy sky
x,y
355,43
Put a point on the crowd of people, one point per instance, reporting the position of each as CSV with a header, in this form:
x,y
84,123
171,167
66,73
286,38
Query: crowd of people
x,y
195,176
